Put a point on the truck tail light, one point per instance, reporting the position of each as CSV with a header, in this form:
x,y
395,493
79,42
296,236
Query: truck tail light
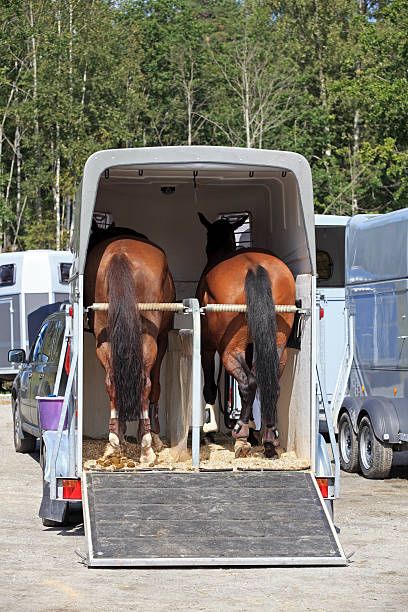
x,y
71,489
323,485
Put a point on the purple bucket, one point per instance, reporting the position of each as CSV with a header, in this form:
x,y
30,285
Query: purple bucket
x,y
49,410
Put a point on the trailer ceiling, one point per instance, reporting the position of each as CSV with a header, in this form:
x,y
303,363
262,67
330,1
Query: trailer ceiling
x,y
132,184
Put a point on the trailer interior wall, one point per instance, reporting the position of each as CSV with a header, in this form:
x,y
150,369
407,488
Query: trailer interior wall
x,y
142,201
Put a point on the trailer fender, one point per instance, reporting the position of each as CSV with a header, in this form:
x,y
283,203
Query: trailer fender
x,y
383,414
351,405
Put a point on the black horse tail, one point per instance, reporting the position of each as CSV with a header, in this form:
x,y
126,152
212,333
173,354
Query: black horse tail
x,y
125,337
262,327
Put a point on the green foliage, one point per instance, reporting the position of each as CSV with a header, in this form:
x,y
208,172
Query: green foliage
x,y
325,78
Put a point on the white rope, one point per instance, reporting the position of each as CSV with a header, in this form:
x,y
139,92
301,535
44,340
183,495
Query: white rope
x,y
160,306
243,308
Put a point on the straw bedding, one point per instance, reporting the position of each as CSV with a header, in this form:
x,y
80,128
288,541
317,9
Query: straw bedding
x,y
218,454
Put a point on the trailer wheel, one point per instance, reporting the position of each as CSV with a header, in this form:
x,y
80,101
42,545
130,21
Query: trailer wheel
x,y
348,444
375,456
23,443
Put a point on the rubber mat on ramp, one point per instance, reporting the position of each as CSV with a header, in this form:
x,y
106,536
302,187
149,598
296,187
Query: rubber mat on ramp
x,y
162,518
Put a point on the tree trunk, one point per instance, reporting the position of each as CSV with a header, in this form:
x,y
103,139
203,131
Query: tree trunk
x,y
56,189
355,162
35,105
17,142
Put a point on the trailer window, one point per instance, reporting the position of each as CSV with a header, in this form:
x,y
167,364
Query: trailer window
x,y
37,350
324,265
243,233
58,339
64,273
7,275
330,256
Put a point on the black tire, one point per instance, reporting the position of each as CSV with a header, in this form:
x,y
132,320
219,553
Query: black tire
x,y
375,457
23,441
348,444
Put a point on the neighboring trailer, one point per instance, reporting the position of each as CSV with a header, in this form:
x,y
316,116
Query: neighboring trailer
x,y
194,518
29,282
330,262
372,420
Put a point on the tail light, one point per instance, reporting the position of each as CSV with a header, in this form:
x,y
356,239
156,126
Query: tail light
x,y
323,485
71,489
321,312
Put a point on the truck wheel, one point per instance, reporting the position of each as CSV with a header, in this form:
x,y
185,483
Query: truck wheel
x,y
348,444
375,456
23,443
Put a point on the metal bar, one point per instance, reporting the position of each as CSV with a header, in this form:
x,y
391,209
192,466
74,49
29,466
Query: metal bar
x,y
78,339
218,561
329,520
345,368
330,429
11,323
62,355
196,415
67,397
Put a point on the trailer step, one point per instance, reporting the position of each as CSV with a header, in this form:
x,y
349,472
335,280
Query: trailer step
x,y
147,519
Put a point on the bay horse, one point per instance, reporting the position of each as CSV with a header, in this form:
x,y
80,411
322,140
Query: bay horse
x,y
252,347
124,268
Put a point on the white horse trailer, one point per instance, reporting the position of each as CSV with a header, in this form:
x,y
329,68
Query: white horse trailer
x,y
30,281
330,262
194,517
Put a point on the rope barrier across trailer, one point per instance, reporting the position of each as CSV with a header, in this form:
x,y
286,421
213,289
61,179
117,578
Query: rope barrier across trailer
x,y
172,307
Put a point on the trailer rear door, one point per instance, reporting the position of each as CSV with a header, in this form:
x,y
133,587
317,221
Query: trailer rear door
x,y
207,518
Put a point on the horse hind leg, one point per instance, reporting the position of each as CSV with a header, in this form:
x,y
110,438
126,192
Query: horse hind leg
x,y
236,366
155,391
209,391
117,428
270,439
147,454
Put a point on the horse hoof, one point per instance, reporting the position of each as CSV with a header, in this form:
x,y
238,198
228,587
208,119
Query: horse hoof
x,y
157,444
148,458
270,450
241,448
211,422
111,451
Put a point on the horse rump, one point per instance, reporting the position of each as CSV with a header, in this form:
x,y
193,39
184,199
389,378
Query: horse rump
x,y
125,337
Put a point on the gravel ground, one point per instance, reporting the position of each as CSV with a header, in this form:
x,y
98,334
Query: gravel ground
x,y
40,569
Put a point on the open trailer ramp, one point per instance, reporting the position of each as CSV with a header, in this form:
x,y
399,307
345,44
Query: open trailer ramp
x,y
150,518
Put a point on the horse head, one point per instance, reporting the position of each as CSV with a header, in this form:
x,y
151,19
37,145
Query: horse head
x,y
220,236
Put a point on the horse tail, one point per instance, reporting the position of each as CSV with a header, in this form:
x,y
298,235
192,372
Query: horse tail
x,y
261,318
125,337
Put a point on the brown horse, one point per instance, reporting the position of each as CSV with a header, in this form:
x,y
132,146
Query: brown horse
x,y
124,268
252,347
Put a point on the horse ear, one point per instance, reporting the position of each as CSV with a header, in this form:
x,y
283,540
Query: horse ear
x,y
239,222
204,221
